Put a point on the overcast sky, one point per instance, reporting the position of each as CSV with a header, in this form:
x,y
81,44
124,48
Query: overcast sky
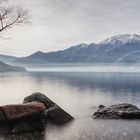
x,y
59,24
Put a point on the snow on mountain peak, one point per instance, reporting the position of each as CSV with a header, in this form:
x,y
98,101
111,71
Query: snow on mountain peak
x,y
121,39
82,45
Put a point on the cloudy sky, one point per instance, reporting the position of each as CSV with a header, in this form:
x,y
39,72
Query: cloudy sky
x,y
58,24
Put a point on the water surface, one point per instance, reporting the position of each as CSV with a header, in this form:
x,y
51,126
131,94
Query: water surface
x,y
79,93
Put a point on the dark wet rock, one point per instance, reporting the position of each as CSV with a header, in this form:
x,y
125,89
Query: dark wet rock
x,y
19,111
53,112
19,118
30,125
101,106
39,97
23,136
118,111
23,126
57,115
2,115
33,115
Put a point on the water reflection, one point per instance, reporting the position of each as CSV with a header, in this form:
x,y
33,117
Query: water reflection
x,y
107,81
120,86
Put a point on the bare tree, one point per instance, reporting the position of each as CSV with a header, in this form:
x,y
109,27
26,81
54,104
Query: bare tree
x,y
11,16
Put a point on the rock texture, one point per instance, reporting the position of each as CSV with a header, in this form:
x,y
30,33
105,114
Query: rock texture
x,y
19,111
20,118
23,136
118,111
53,112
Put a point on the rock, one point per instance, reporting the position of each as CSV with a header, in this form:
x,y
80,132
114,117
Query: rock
x,y
39,97
53,112
57,115
2,115
118,111
30,125
23,136
19,111
101,106
31,116
19,118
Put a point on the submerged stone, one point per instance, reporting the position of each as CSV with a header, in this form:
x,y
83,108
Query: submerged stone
x,y
118,111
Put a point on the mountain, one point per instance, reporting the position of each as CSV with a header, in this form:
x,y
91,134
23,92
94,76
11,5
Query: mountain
x,y
7,58
73,54
8,68
121,48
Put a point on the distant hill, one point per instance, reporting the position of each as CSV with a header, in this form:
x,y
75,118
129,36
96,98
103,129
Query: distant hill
x,y
117,49
77,53
7,58
8,68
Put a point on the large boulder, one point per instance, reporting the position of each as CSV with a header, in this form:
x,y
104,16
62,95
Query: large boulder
x,y
32,115
23,136
118,111
29,125
19,111
53,112
39,97
2,115
19,118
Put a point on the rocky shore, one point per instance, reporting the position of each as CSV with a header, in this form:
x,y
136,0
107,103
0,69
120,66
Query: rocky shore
x,y
29,119
32,115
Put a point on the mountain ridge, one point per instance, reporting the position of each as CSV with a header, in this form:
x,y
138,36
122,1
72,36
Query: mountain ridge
x,y
120,48
7,58
9,68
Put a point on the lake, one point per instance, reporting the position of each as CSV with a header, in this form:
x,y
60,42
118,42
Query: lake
x,y
79,91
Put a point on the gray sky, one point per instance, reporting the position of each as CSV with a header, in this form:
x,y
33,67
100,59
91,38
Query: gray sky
x,y
59,24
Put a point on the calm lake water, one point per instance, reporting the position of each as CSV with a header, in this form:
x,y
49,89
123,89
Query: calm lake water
x,y
79,93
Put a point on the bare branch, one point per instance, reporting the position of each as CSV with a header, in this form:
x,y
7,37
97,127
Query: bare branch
x,y
11,16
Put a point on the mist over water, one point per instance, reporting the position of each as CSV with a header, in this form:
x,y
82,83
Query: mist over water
x,y
76,67
88,129
79,93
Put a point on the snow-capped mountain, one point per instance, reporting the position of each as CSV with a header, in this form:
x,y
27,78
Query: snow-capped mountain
x,y
121,39
121,48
